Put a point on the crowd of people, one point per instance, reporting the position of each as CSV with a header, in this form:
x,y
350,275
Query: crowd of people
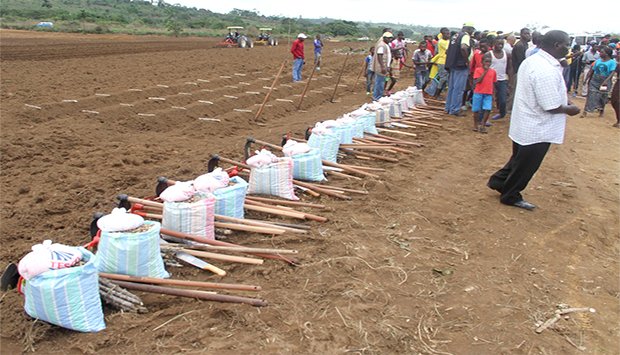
x,y
535,75
456,60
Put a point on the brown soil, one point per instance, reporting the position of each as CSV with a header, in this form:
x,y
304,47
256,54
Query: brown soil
x,y
429,262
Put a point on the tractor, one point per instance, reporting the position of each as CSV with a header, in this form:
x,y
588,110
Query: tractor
x,y
266,38
235,39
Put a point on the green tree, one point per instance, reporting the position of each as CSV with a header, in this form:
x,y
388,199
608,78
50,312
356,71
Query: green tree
x,y
47,4
172,24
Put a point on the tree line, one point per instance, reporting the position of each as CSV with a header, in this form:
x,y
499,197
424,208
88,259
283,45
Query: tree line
x,y
159,16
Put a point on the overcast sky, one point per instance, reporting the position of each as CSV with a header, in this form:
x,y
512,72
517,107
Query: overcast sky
x,y
505,15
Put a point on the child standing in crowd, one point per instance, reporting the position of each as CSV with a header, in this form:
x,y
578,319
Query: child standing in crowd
x,y
421,60
394,74
369,74
482,103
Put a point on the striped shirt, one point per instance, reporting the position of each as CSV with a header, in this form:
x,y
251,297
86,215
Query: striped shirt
x,y
540,87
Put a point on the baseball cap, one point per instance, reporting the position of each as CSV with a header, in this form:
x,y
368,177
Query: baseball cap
x,y
469,24
388,35
301,35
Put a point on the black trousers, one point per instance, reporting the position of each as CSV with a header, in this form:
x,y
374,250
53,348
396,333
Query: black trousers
x,y
513,178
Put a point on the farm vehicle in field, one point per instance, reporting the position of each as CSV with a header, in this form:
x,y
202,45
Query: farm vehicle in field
x,y
235,39
266,37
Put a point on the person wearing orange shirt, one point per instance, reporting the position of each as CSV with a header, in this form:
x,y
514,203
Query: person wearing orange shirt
x,y
482,102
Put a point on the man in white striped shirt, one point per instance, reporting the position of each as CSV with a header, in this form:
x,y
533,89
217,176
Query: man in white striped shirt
x,y
538,118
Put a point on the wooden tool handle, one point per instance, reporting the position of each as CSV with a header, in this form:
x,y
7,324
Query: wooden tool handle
x,y
214,269
191,293
248,228
223,257
284,202
292,214
221,243
174,282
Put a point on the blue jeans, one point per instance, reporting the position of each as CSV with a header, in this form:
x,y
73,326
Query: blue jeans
x,y
501,95
377,93
370,75
456,87
298,65
420,78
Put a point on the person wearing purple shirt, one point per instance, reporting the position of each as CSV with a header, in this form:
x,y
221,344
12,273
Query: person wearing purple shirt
x,y
318,49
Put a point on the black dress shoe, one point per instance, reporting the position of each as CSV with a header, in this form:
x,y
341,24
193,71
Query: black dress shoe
x,y
525,205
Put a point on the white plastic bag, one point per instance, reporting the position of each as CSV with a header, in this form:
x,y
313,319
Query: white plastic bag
x,y
178,192
207,183
293,147
47,256
119,220
261,159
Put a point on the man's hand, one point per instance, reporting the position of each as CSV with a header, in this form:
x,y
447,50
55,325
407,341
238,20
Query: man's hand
x,y
572,110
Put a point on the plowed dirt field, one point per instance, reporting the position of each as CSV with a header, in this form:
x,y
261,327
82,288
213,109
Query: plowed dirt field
x,y
428,262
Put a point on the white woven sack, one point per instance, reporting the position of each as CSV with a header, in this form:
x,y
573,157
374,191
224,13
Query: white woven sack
x,y
276,179
395,110
419,98
327,144
308,166
382,115
229,200
195,218
135,254
370,126
67,297
404,105
346,133
358,128
410,100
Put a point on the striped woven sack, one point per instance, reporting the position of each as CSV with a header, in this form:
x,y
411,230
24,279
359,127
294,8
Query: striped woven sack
x,y
327,144
382,115
308,166
395,110
276,179
369,125
410,100
404,105
67,297
358,128
229,200
345,131
418,98
135,254
195,218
